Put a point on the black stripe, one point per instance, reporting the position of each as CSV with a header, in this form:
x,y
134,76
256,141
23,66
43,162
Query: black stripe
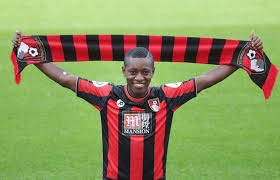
x,y
191,49
216,51
166,139
167,48
237,51
142,41
68,47
105,146
46,51
93,47
118,47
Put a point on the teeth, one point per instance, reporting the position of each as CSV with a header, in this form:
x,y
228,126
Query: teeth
x,y
139,85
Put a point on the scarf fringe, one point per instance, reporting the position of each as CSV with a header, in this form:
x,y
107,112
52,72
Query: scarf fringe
x,y
270,81
17,76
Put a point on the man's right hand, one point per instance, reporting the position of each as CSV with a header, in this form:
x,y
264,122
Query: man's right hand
x,y
52,71
17,38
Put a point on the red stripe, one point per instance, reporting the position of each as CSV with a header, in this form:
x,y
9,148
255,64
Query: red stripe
x,y
113,139
129,42
136,157
186,87
17,76
270,81
155,43
88,87
179,49
159,141
204,49
228,51
81,47
136,154
105,45
56,48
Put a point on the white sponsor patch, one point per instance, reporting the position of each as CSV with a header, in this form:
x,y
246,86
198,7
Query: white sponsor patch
x,y
136,123
99,84
174,85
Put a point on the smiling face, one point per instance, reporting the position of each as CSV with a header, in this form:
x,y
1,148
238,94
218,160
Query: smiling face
x,y
138,72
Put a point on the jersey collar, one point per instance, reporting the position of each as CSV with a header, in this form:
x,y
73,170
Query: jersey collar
x,y
136,99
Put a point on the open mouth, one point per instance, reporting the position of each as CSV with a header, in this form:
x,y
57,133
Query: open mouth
x,y
139,85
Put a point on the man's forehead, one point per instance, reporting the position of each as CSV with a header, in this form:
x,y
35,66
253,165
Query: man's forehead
x,y
139,60
139,63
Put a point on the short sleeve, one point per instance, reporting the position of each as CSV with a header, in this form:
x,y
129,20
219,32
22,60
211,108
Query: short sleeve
x,y
94,92
179,93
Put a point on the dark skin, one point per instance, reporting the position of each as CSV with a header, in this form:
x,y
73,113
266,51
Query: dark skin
x,y
139,72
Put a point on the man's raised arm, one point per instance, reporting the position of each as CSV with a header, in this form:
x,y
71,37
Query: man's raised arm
x,y
51,70
221,72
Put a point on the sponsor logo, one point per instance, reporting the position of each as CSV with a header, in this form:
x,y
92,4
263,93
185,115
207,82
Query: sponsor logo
x,y
136,123
174,85
154,104
251,60
120,103
99,84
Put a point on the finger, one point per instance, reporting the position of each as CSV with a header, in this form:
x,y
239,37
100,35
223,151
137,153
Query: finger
x,y
257,40
252,34
258,45
17,38
252,38
16,42
19,33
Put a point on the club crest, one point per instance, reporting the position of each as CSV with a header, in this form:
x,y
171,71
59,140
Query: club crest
x,y
252,60
29,50
154,104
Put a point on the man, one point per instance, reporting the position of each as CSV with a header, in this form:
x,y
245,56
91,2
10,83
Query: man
x,y
136,118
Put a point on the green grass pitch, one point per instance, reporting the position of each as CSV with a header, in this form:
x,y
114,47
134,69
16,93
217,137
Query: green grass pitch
x,y
228,132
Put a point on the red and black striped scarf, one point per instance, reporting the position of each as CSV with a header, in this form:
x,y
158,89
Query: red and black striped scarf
x,y
106,47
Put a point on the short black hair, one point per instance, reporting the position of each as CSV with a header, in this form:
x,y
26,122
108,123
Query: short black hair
x,y
138,52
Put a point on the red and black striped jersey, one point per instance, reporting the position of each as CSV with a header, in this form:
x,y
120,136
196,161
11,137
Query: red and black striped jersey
x,y
135,132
